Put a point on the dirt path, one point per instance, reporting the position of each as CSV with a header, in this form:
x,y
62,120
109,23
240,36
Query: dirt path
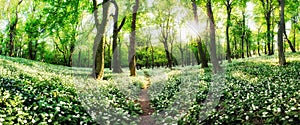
x,y
145,105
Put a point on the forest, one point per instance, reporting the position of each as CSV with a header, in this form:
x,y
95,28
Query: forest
x,y
149,62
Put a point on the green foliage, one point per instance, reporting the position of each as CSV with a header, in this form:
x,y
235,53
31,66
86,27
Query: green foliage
x,y
39,93
256,91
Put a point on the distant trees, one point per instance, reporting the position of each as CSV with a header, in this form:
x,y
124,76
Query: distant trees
x,y
47,31
268,8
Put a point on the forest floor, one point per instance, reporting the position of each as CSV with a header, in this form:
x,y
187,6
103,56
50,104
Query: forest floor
x,y
257,91
144,101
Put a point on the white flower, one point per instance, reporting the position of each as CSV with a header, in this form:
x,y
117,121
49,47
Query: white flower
x,y
226,117
57,108
33,121
268,107
293,108
278,109
264,114
247,117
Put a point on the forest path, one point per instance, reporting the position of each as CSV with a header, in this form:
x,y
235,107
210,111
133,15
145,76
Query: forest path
x,y
145,104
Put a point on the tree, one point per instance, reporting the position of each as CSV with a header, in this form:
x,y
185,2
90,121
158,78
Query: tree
x,y
243,24
166,33
268,8
116,54
281,29
201,51
12,30
131,55
62,25
213,54
292,13
229,6
98,48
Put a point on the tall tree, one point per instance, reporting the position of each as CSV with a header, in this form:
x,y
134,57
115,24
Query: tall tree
x,y
258,40
243,37
213,54
166,28
268,8
116,53
98,48
229,6
201,51
12,30
281,55
131,55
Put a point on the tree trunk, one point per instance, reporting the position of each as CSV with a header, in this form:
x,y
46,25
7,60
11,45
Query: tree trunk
x,y
132,56
272,34
181,55
282,60
202,54
98,48
168,56
235,47
228,51
269,34
116,54
213,55
247,47
258,46
294,36
288,40
266,49
30,49
79,59
12,31
243,33
152,54
196,53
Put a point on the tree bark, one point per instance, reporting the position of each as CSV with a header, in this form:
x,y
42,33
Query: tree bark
x,y
281,55
98,48
132,56
213,55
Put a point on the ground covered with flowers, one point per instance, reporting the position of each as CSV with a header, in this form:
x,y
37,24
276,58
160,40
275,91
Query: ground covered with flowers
x,y
249,91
